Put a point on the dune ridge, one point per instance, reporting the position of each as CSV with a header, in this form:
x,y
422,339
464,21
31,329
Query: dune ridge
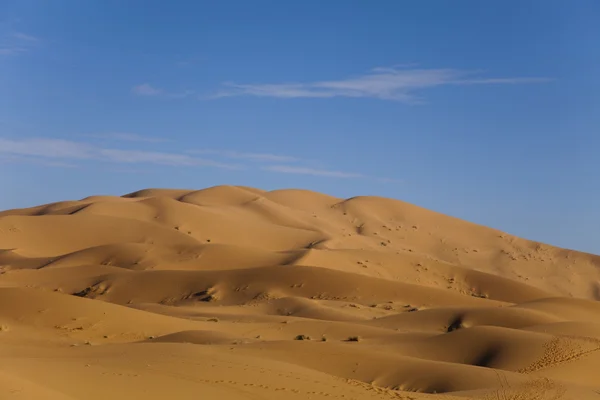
x,y
239,293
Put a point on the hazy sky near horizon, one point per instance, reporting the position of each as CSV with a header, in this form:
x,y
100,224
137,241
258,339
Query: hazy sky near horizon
x,y
484,110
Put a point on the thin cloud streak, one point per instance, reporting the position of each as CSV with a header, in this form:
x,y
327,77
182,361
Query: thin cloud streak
x,y
390,180
65,150
49,148
24,36
67,153
286,169
380,83
14,159
9,51
145,89
126,137
16,43
258,157
299,170
160,158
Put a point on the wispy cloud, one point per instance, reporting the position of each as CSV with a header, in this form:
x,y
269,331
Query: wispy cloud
x,y
279,163
389,180
59,150
36,161
381,83
326,173
16,43
126,137
71,154
258,157
155,157
188,61
24,37
49,148
145,89
287,169
9,51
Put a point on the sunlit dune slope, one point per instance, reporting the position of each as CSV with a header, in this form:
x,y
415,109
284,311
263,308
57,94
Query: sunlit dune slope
x,y
239,293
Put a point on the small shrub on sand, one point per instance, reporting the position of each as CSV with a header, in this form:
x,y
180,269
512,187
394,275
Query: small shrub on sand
x,y
302,337
353,339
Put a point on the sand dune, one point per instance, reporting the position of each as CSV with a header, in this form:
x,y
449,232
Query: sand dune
x,y
239,293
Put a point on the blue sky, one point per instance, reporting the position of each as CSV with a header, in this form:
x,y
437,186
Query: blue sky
x,y
484,110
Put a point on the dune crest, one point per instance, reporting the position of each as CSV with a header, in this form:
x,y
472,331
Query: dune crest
x,y
238,293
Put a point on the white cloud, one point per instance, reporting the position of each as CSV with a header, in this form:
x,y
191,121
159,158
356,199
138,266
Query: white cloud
x,y
59,150
16,43
126,137
67,153
24,36
15,159
50,148
154,157
259,157
390,180
9,51
286,169
145,89
381,83
301,170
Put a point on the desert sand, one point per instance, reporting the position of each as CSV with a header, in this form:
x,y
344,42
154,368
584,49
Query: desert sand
x,y
238,293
